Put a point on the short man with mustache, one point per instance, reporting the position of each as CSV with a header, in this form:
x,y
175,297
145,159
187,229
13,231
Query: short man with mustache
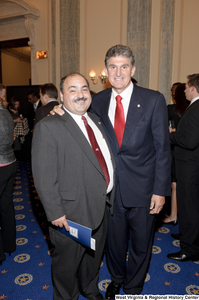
x,y
74,179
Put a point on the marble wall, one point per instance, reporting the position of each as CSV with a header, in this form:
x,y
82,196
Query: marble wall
x,y
69,36
138,37
139,40
53,35
166,47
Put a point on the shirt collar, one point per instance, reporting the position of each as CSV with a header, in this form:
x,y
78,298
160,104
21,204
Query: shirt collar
x,y
77,118
128,91
193,100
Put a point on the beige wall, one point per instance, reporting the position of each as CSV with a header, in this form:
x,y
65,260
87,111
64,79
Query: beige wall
x,y
185,58
15,72
102,24
186,42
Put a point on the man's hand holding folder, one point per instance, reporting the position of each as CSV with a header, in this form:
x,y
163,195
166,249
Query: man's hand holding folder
x,y
61,222
78,233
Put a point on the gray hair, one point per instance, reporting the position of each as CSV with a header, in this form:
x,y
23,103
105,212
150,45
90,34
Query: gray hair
x,y
117,51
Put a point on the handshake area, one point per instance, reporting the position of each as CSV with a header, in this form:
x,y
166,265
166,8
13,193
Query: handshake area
x,y
157,297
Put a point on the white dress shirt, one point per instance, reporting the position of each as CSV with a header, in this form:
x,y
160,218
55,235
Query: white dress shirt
x,y
126,97
193,100
100,140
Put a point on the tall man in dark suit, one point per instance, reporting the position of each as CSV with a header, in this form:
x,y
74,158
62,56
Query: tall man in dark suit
x,y
142,154
71,185
137,130
186,152
48,96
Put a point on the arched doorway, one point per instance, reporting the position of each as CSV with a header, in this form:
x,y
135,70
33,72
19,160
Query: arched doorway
x,y
18,21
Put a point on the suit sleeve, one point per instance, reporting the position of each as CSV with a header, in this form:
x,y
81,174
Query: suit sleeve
x,y
45,171
187,138
160,131
39,115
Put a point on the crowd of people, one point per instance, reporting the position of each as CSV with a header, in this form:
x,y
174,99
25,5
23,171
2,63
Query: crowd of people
x,y
107,162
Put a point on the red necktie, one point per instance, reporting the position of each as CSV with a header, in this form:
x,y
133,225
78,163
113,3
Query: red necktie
x,y
119,120
97,150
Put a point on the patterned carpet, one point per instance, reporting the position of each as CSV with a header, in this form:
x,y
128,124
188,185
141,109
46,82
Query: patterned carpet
x,y
26,274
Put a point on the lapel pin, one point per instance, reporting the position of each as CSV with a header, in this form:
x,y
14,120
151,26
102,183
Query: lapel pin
x,y
99,123
138,105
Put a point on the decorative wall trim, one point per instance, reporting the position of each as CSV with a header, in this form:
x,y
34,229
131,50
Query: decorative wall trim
x,y
18,19
166,48
69,36
138,37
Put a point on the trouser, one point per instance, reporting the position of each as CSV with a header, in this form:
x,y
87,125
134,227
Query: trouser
x,y
133,229
75,268
7,213
188,213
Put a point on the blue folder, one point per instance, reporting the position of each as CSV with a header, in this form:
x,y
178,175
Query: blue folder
x,y
79,233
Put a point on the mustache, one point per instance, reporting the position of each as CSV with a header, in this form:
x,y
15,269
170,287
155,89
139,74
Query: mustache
x,y
80,99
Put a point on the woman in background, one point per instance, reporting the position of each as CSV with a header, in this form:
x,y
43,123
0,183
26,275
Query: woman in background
x,y
14,107
8,169
175,112
21,127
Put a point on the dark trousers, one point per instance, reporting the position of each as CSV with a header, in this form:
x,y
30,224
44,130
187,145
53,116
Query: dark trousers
x,y
129,228
7,213
188,212
75,268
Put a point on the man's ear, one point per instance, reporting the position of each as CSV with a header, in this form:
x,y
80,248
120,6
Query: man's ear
x,y
46,98
61,96
106,71
133,71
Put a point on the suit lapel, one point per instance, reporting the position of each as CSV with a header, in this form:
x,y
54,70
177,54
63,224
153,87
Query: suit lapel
x,y
106,121
133,115
77,134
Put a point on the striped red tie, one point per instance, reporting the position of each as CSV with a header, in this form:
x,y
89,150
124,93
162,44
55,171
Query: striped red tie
x,y
97,150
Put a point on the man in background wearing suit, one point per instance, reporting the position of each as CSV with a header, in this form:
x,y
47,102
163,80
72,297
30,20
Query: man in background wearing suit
x,y
48,95
136,124
137,130
35,103
73,184
186,153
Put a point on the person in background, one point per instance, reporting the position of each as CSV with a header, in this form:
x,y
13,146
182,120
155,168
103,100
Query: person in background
x,y
73,171
186,153
173,88
14,109
34,100
8,169
48,96
135,121
175,112
2,91
21,129
35,103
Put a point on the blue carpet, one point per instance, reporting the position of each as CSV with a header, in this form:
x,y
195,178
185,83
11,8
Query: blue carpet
x,y
26,274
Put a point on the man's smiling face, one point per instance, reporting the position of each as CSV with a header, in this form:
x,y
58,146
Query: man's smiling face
x,y
76,95
119,72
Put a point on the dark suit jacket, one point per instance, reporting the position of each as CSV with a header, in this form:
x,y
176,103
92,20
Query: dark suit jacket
x,y
66,172
43,111
143,161
31,114
173,115
186,142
